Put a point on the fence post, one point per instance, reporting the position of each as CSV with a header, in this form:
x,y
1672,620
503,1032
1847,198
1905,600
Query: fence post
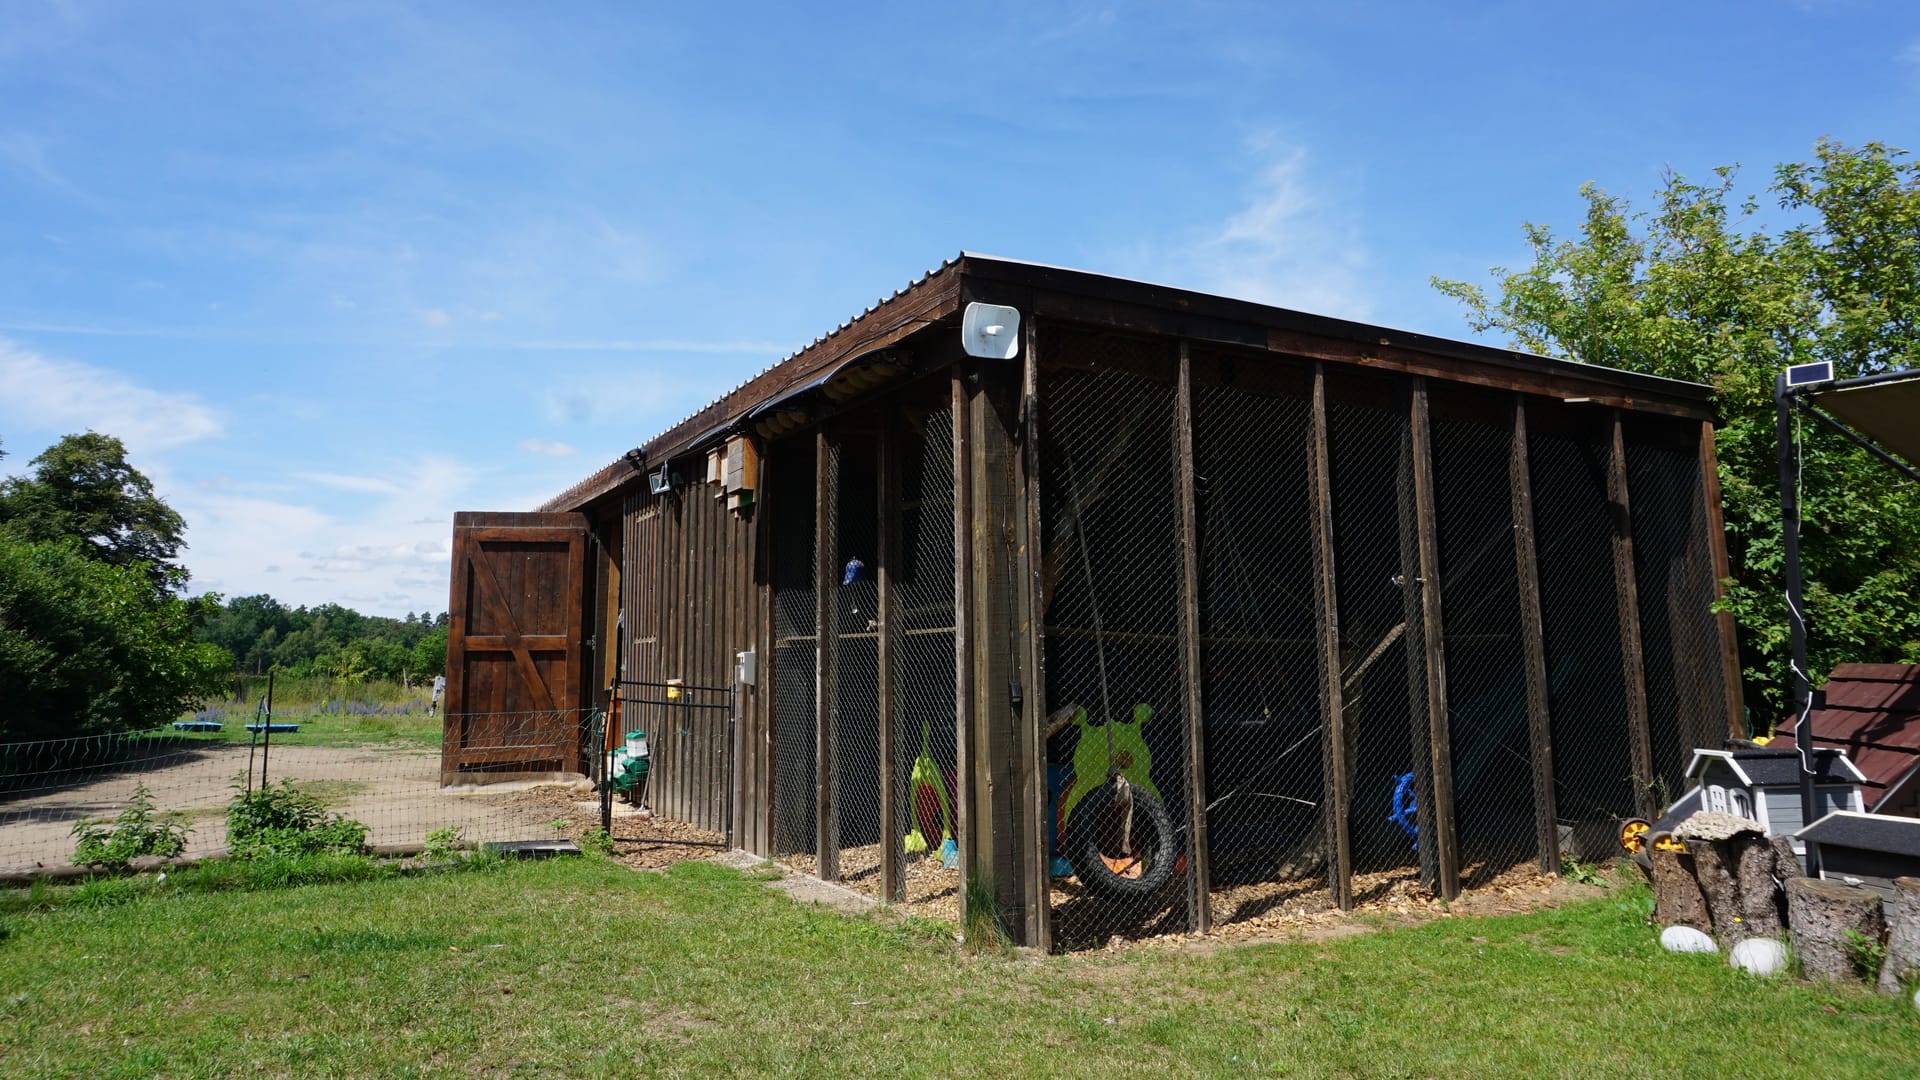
x,y
1337,802
1200,876
1533,646
888,506
1716,540
1627,596
1031,606
1439,740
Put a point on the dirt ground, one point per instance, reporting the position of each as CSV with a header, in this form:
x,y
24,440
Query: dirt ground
x,y
395,791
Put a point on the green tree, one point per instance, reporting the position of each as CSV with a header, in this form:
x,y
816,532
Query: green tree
x,y
430,655
88,647
1698,287
82,487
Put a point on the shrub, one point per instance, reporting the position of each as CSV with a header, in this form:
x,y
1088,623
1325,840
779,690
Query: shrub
x,y
441,844
284,821
137,832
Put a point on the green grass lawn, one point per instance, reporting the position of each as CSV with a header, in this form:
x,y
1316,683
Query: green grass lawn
x,y
580,967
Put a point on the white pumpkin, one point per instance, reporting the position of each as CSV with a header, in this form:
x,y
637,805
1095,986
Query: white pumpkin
x,y
1759,956
1685,939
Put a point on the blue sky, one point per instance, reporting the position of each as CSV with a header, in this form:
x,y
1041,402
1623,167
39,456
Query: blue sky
x,y
337,270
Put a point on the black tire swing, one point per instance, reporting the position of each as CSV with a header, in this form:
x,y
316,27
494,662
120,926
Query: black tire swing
x,y
1120,840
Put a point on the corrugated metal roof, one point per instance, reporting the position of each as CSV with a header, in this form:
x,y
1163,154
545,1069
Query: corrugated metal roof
x,y
938,293
1873,712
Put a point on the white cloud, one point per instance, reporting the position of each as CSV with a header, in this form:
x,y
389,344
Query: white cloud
x,y
1292,241
368,485
44,392
547,447
435,317
1292,244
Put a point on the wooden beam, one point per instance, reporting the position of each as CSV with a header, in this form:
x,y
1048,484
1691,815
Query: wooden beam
x,y
1627,597
888,501
1716,540
1439,740
1200,877
1413,648
1031,606
1533,646
963,632
826,621
766,672
1337,799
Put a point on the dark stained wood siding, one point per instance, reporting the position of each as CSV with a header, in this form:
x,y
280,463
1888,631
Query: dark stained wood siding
x,y
690,605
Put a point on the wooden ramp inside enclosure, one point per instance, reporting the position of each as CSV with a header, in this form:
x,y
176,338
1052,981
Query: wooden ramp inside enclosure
x,y
514,646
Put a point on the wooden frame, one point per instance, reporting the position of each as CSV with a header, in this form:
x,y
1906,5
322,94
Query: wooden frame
x,y
1200,876
1627,595
1336,789
1444,843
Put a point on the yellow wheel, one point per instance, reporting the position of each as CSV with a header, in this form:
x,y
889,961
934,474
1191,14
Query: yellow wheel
x,y
1633,835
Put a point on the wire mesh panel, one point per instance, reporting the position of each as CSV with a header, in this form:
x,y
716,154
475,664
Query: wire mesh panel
x,y
1486,667
790,510
1116,751
853,488
1686,697
925,758
1262,724
1382,644
1573,531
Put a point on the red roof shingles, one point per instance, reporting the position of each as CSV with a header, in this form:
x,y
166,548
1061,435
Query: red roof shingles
x,y
1873,712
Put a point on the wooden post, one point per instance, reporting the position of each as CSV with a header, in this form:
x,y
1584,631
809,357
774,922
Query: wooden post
x,y
1439,743
1627,595
1031,605
1337,796
962,795
1199,878
1001,768
1533,647
826,618
1716,540
764,684
888,502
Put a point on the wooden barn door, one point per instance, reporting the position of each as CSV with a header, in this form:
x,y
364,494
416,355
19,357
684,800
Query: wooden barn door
x,y
515,687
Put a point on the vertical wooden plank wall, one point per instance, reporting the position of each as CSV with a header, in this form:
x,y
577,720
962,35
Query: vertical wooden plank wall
x,y
689,603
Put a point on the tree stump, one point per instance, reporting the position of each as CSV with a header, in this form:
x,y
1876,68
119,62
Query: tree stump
x,y
1822,914
1676,892
1733,863
1903,936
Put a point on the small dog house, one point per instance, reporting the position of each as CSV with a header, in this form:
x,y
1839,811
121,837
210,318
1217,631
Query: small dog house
x,y
1868,849
1764,785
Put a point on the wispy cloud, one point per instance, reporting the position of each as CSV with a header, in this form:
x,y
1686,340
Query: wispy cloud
x,y
44,392
1911,54
28,153
366,485
1292,243
547,447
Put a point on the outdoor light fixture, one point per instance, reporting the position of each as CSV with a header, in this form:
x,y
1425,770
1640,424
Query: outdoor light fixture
x,y
990,331
660,481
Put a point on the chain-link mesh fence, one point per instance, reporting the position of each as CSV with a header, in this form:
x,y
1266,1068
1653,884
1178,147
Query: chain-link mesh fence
x,y
1574,531
853,494
1491,754
922,626
1116,751
1382,642
382,770
1260,689
1673,572
790,516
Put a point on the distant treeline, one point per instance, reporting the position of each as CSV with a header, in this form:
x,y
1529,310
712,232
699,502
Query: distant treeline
x,y
328,640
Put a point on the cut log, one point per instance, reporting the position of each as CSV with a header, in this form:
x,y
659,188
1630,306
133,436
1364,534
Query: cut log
x,y
1720,889
1763,900
1830,921
1903,936
1676,892
1734,863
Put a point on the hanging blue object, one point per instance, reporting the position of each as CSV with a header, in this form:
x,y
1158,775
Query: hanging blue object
x,y
855,570
1406,808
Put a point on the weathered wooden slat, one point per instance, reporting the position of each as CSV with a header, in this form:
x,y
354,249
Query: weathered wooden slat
x,y
1030,608
1439,738
1200,879
1627,596
1337,803
826,619
964,810
1533,646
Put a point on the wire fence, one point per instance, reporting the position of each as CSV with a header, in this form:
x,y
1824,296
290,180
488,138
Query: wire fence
x,y
393,784
853,493
1116,746
790,511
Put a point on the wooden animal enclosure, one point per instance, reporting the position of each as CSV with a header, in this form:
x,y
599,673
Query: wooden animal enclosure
x,y
1192,608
